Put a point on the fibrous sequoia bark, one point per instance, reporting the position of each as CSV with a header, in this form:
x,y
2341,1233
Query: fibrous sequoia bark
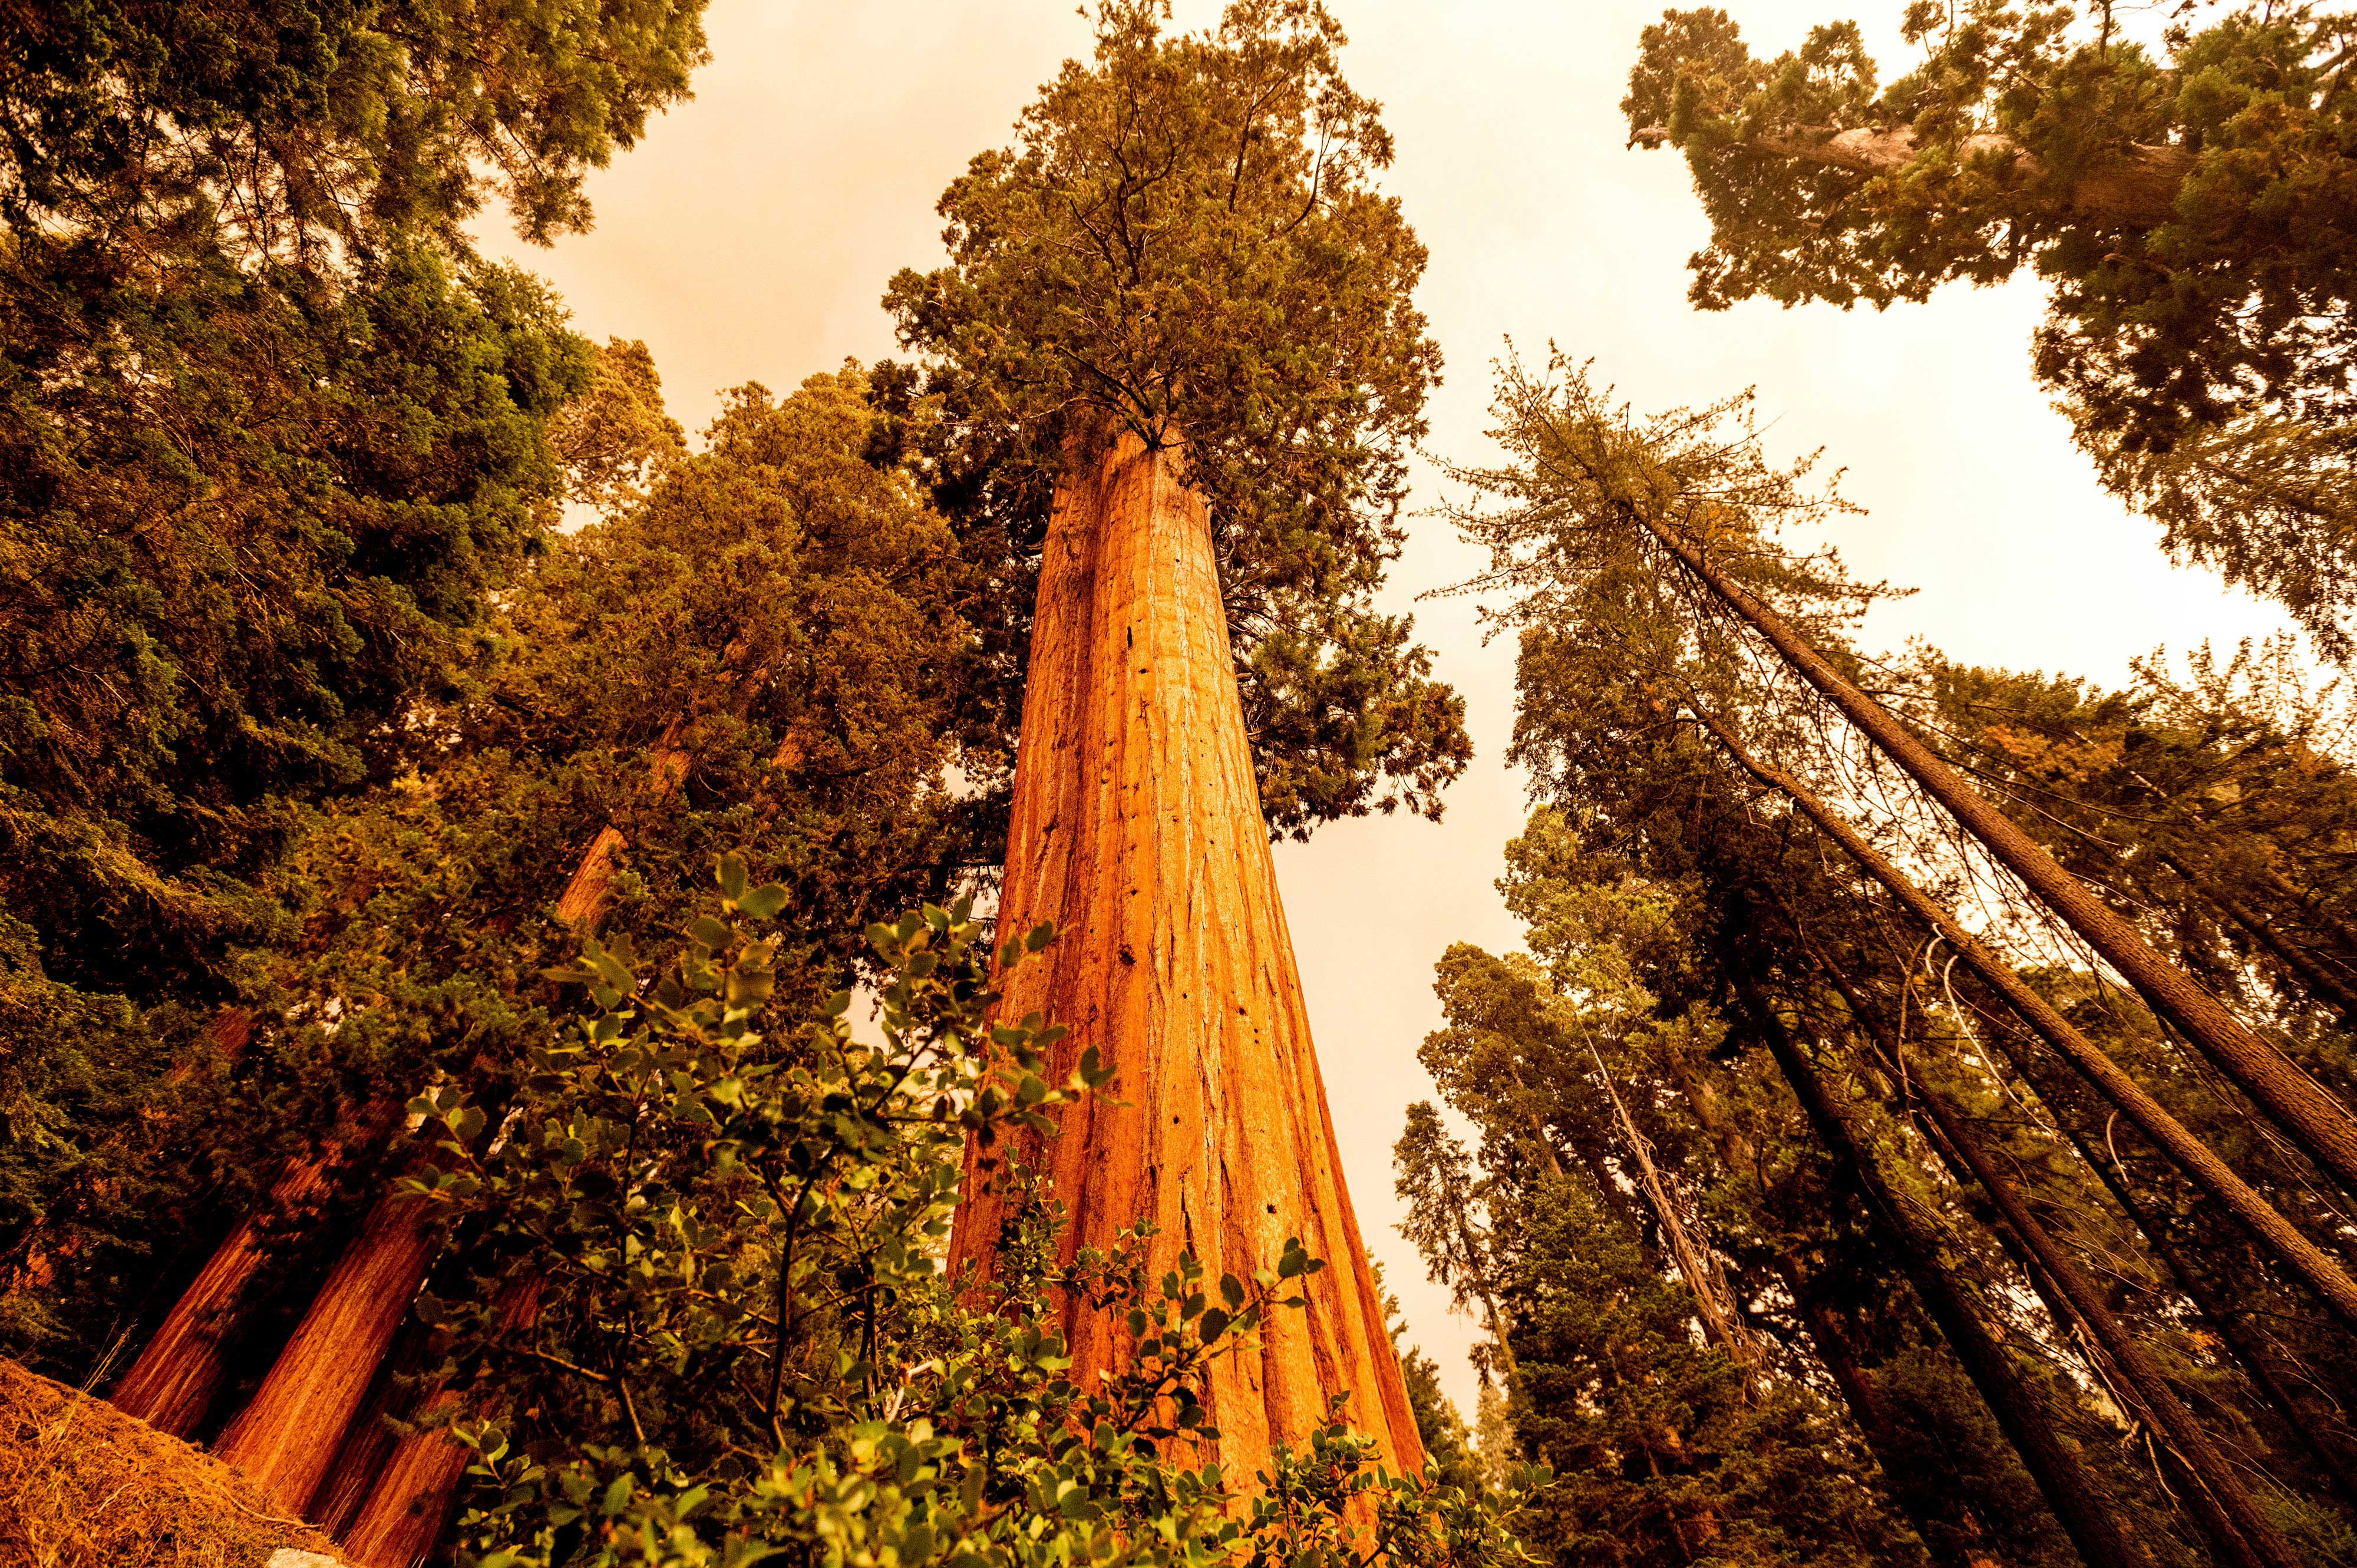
x,y
1137,831
286,1437
172,1384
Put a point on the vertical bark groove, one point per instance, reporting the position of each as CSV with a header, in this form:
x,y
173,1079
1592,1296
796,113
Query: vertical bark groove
x,y
1137,831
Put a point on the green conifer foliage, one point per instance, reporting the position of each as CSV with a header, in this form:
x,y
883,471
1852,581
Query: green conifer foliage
x,y
2185,197
1728,960
1187,240
294,132
240,547
272,437
771,633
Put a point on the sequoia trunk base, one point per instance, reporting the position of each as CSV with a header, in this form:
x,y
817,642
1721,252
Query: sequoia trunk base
x,y
415,1493
172,1384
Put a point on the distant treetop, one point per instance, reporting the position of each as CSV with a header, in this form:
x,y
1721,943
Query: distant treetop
x,y
2191,199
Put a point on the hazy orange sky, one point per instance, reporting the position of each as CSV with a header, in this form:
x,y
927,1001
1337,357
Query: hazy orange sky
x,y
750,235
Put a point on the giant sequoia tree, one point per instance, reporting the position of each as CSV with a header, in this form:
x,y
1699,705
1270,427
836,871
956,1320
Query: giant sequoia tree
x,y
1181,295
2186,198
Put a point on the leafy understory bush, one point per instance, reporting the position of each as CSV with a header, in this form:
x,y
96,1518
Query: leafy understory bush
x,y
704,1322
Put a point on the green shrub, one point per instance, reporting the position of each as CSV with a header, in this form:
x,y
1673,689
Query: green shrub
x,y
706,1321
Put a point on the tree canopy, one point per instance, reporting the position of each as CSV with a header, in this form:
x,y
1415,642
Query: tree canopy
x,y
2185,196
304,134
1915,1128
1185,242
274,438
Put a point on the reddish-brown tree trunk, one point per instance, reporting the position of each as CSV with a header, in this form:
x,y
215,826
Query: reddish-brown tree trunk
x,y
416,1489
1137,831
172,1384
369,1441
288,1435
410,1505
409,1501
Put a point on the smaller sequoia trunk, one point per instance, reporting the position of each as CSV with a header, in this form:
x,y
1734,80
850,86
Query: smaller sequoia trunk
x,y
315,1388
414,1491
172,1384
1137,831
288,1436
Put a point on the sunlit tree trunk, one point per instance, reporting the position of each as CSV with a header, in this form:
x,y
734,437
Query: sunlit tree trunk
x,y
414,1488
1137,831
409,1506
180,1370
1722,1318
288,1435
369,1441
172,1384
2137,185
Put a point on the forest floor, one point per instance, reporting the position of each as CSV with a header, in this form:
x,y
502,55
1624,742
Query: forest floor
x,y
84,1486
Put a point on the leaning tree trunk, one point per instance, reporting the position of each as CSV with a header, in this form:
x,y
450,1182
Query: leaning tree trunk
x,y
414,1490
172,1384
2135,185
288,1435
2196,1159
180,1370
1137,831
2213,1492
2022,1410
2316,1121
2322,983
